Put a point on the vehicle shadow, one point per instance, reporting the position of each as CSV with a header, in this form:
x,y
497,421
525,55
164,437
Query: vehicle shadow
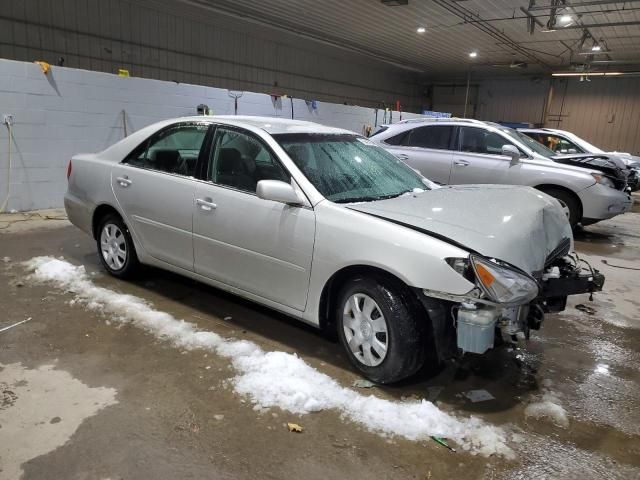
x,y
501,372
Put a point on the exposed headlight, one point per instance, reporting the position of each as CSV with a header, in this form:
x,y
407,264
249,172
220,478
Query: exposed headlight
x,y
501,283
602,180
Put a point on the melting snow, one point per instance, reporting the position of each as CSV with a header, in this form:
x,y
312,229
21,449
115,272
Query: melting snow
x,y
548,407
277,379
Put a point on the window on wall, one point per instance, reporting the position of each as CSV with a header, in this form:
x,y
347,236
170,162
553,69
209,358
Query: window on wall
x,y
436,136
239,160
173,150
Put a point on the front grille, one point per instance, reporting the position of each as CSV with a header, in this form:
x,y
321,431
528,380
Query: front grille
x,y
560,251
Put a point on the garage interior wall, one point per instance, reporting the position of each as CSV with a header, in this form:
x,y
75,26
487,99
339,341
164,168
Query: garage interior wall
x,y
604,111
68,111
175,41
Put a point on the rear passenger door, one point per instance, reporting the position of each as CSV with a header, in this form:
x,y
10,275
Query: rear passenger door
x,y
479,158
428,150
155,189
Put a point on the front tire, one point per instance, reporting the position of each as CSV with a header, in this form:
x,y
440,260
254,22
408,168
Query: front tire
x,y
382,328
115,247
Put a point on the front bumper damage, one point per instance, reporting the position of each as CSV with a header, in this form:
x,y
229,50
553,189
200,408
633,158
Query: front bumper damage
x,y
472,325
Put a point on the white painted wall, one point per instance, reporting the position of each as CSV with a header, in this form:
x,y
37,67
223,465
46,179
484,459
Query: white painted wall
x,y
70,111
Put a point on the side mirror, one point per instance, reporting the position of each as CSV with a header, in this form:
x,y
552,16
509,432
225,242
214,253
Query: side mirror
x,y
573,150
277,191
512,152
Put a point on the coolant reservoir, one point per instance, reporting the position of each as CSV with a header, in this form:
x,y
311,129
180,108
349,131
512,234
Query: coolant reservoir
x,y
476,328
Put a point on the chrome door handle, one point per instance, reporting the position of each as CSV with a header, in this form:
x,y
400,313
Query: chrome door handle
x,y
461,163
206,204
124,181
402,156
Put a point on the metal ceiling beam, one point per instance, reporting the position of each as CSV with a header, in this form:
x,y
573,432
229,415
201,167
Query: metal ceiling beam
x,y
592,3
467,15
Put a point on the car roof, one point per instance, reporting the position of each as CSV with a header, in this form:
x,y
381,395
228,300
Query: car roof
x,y
271,125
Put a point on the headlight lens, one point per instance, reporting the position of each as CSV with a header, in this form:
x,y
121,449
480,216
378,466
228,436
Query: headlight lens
x,y
602,180
503,284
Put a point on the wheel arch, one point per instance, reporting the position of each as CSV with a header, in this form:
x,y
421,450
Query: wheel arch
x,y
336,281
553,186
100,212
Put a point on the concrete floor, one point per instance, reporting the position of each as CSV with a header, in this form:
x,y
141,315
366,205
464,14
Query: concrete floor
x,y
83,399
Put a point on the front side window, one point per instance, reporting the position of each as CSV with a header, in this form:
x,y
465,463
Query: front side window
x,y
479,140
240,161
172,150
348,168
437,136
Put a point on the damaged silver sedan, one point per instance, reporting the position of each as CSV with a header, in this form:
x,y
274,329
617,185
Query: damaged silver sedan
x,y
325,226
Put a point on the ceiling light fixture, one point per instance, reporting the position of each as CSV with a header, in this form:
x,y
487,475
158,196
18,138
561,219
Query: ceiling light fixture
x,y
596,48
473,54
421,30
566,18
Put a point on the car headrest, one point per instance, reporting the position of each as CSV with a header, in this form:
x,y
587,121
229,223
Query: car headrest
x,y
229,161
166,159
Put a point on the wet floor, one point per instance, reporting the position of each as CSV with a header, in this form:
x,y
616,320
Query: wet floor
x,y
570,398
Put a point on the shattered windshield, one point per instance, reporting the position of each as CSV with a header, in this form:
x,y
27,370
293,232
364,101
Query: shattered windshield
x,y
348,168
530,142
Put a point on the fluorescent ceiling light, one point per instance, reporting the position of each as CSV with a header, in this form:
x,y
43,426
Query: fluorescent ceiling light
x,y
596,48
421,30
587,74
565,18
473,54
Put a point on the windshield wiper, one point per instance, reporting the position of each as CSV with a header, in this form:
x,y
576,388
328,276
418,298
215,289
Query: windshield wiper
x,y
356,199
371,199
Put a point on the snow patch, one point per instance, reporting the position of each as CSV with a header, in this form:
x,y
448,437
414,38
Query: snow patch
x,y
548,407
277,379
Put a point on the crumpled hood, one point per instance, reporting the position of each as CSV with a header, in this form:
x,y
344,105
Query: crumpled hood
x,y
519,225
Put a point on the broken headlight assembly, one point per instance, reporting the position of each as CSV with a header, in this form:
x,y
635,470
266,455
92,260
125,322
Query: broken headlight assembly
x,y
603,180
499,282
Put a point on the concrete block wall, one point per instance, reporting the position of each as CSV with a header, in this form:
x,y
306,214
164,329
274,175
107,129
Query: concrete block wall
x,y
70,111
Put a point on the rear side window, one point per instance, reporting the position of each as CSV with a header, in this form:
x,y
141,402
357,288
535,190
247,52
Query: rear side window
x,y
399,139
437,136
172,150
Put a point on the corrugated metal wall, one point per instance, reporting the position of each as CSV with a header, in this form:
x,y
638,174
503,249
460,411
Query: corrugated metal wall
x,y
173,41
604,111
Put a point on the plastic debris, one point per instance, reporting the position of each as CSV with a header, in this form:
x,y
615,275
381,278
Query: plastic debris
x,y
228,318
442,442
478,396
14,325
294,427
433,393
362,383
586,309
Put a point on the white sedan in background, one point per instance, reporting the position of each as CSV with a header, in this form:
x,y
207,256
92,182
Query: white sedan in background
x,y
325,226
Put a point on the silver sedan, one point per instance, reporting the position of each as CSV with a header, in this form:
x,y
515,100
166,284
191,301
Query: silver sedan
x,y
325,226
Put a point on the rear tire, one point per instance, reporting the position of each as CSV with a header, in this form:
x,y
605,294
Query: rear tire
x,y
382,328
115,247
569,203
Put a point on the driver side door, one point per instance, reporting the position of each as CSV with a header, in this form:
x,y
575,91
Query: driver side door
x,y
259,246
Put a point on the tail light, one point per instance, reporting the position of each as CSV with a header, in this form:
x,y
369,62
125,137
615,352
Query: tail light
x,y
69,167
